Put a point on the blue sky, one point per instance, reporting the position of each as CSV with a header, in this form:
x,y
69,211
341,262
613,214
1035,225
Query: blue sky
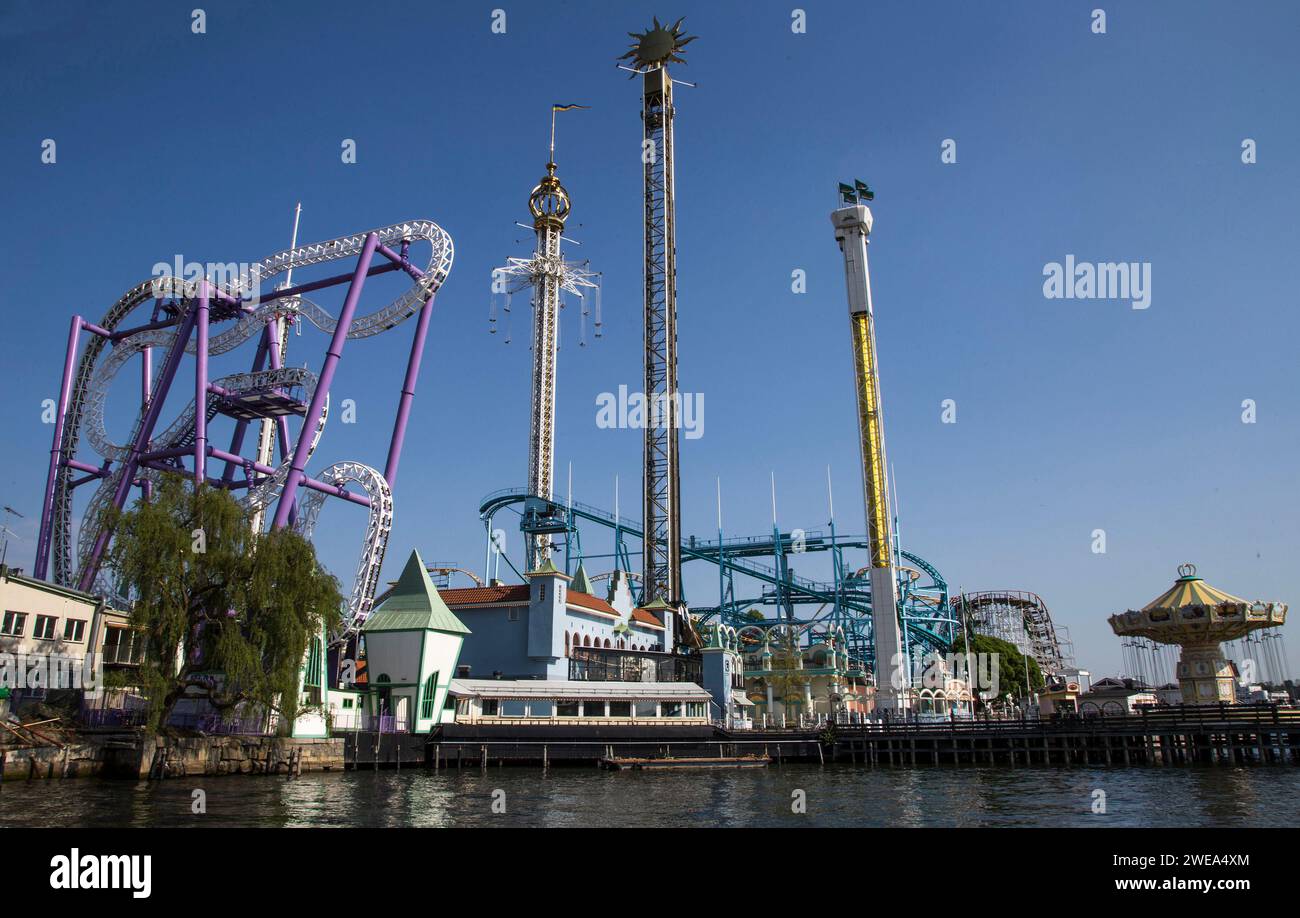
x,y
1072,415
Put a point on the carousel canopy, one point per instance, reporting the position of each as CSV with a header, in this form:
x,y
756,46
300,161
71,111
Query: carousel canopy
x,y
1192,611
1190,590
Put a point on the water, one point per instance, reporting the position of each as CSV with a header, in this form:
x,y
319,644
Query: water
x,y
836,796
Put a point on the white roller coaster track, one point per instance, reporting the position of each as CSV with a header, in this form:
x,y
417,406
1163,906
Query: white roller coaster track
x,y
93,377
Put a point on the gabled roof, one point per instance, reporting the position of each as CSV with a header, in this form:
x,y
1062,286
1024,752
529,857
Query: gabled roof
x,y
647,617
414,605
590,603
502,595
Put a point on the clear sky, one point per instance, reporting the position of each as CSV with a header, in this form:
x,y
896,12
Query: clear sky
x,y
1072,414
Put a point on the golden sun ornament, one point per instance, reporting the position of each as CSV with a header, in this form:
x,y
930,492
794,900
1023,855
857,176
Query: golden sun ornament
x,y
658,45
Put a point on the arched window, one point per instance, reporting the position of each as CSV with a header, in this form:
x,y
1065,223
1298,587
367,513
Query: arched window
x,y
607,642
427,696
566,643
586,640
620,643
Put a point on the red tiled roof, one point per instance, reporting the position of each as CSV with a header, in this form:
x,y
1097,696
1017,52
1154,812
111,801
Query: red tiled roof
x,y
646,617
485,595
591,603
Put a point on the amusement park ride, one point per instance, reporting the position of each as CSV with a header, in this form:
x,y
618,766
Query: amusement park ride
x,y
177,317
891,611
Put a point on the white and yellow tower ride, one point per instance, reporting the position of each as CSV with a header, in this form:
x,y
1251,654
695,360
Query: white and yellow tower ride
x,y
852,227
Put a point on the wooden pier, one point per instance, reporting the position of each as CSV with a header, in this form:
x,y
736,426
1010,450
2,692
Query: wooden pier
x,y
1184,735
1187,735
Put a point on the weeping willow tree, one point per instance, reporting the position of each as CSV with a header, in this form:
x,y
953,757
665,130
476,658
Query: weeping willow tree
x,y
227,613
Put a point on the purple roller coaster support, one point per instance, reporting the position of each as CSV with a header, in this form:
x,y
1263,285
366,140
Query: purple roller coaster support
x,y
408,391
201,389
132,463
241,426
47,507
312,418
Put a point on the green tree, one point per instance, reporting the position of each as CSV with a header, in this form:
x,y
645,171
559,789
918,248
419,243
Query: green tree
x,y
227,613
1010,663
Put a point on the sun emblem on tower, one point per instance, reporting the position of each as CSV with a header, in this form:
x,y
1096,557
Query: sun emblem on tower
x,y
658,45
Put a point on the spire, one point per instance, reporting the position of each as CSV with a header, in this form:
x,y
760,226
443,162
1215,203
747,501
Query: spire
x,y
581,582
414,604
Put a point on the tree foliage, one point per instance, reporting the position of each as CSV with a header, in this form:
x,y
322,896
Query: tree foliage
x,y
1010,662
227,613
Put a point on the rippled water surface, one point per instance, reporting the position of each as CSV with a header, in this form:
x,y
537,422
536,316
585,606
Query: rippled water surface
x,y
835,796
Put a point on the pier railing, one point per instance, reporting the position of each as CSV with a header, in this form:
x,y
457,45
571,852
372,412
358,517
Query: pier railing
x,y
1141,720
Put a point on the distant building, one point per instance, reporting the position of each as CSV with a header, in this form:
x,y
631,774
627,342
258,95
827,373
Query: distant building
x,y
40,621
1060,695
554,624
807,684
533,702
1116,695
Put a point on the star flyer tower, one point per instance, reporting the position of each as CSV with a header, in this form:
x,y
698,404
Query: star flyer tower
x,y
650,54
549,276
852,223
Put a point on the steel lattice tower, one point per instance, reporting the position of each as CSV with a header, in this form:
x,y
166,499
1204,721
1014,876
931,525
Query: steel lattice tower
x,y
549,205
652,51
662,515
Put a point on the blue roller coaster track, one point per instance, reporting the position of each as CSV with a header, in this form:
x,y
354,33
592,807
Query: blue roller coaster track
x,y
842,604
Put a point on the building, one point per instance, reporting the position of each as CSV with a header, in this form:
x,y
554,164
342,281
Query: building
x,y
534,702
1060,695
1116,695
55,637
790,685
553,627
413,645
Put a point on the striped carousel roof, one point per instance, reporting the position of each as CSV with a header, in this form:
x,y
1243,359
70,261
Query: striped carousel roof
x,y
1190,590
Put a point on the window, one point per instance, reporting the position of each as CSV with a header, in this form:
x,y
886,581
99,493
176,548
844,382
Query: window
x,y
695,708
513,614
541,592
312,675
646,709
122,645
593,708
74,629
14,623
490,707
541,708
672,709
514,708
620,709
429,693
566,709
44,629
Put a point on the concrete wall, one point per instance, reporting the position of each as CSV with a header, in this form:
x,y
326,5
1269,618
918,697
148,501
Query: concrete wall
x,y
137,757
497,644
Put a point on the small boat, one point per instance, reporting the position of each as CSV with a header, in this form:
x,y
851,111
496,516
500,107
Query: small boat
x,y
617,763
